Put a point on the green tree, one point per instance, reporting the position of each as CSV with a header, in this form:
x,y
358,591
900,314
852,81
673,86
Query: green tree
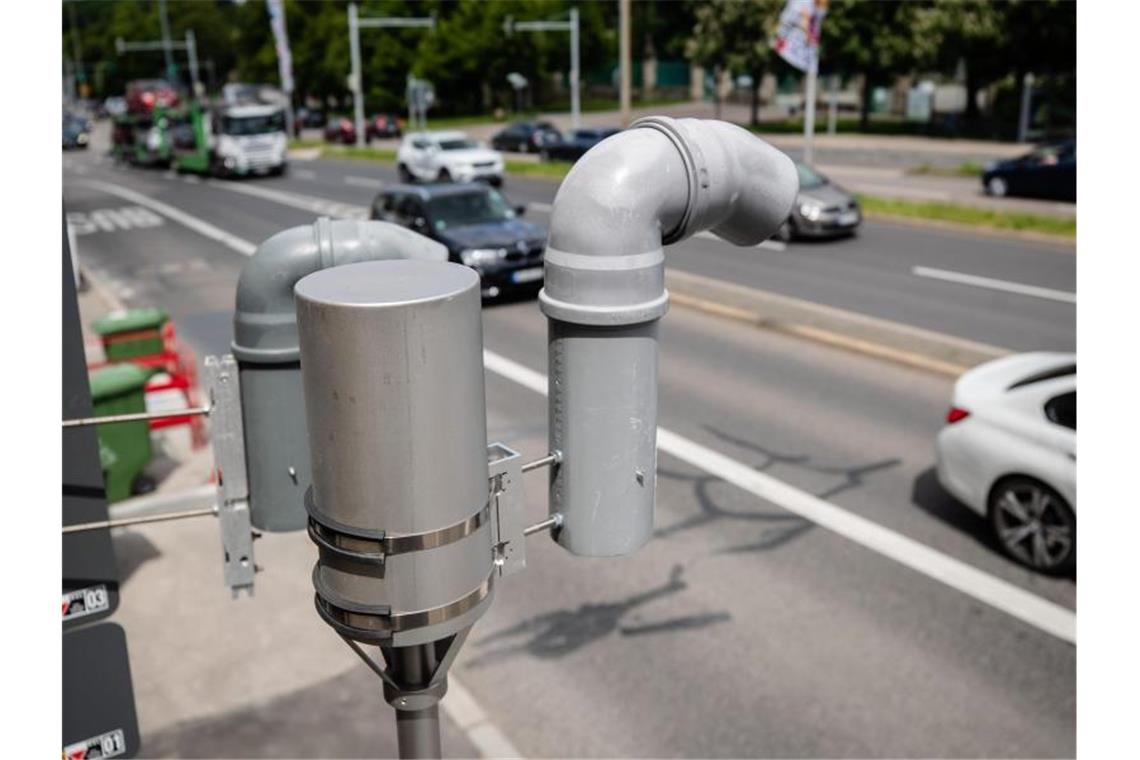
x,y
973,33
879,40
734,36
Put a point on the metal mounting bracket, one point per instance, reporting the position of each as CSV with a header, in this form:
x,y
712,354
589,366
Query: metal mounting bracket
x,y
228,440
507,524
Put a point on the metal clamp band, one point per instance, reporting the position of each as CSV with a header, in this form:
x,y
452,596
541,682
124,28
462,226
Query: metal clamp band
x,y
367,626
372,551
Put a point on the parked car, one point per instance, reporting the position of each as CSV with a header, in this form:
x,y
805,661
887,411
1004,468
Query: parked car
x,y
478,226
1049,171
1008,452
308,118
822,209
526,136
341,130
76,132
384,125
446,157
144,94
576,143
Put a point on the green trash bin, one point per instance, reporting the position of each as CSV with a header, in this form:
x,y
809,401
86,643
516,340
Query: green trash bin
x,y
127,334
124,447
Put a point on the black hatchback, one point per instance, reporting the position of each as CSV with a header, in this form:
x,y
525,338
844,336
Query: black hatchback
x,y
526,137
1050,171
478,226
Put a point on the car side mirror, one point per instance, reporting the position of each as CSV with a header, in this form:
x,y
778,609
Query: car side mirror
x,y
520,210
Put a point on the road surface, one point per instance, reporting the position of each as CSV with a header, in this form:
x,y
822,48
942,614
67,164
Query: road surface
x,y
746,627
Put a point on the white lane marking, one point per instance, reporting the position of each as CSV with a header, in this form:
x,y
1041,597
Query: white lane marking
x,y
1042,614
318,206
369,182
545,208
112,220
462,708
459,704
202,227
992,284
1030,608
303,173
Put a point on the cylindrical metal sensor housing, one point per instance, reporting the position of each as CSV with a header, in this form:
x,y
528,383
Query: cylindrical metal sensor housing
x,y
392,366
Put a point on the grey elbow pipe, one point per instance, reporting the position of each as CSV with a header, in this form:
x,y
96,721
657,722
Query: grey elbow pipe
x,y
267,349
657,183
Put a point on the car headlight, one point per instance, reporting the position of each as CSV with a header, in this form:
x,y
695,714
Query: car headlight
x,y
474,257
82,138
811,211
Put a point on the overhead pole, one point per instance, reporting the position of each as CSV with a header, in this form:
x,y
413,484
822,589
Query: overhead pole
x,y
167,50
571,26
190,46
192,55
355,24
625,81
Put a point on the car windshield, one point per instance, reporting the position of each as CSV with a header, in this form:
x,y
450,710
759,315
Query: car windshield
x,y
459,143
809,177
463,209
253,125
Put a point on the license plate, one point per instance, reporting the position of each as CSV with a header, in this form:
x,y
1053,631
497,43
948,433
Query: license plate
x,y
527,275
849,218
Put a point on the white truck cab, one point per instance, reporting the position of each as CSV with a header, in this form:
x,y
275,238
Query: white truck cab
x,y
249,139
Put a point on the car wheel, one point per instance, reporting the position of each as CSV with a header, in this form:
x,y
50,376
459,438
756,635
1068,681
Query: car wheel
x,y
1034,525
444,175
997,187
496,181
405,175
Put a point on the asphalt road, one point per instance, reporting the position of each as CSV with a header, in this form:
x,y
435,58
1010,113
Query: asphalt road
x,y
743,628
963,284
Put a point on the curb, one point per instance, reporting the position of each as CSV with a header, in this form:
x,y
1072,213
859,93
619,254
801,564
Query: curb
x,y
871,336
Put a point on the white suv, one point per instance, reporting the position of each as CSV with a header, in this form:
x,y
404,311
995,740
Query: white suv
x,y
447,157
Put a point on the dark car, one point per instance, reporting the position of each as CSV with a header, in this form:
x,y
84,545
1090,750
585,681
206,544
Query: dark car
x,y
577,142
526,137
308,118
478,226
1050,171
76,132
383,125
340,130
822,209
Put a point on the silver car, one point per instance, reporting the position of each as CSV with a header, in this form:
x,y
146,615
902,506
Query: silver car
x,y
822,210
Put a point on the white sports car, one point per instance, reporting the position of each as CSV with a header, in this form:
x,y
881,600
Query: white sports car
x,y
1009,452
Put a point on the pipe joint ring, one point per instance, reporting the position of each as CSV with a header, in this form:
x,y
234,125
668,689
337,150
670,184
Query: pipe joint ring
x,y
695,167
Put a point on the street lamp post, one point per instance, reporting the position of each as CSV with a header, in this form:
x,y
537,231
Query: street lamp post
x,y
355,24
575,73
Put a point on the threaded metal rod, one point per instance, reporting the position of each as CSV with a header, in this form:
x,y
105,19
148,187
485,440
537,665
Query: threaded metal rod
x,y
193,411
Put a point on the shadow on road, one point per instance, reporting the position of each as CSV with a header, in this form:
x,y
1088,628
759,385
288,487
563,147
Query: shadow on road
x,y
132,551
558,633
784,527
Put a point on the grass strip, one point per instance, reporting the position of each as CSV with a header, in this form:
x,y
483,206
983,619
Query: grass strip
x,y
971,216
968,169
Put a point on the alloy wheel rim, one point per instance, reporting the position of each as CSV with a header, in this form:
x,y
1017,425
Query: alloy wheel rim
x,y
1034,527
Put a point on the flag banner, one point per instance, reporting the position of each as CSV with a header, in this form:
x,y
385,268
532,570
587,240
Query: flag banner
x,y
797,37
281,37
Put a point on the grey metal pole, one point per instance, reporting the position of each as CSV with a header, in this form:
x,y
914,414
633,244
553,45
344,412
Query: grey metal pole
x,y
833,105
1026,102
417,731
575,73
166,50
357,88
809,112
624,64
192,54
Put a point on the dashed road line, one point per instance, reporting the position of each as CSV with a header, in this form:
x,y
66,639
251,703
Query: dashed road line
x,y
991,284
369,182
